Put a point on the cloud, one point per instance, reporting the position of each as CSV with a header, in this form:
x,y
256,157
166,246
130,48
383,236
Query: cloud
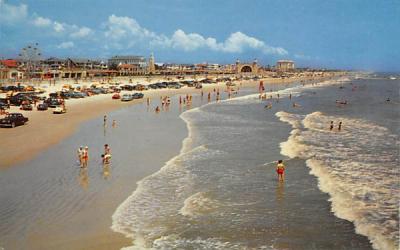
x,y
62,29
12,13
82,32
59,27
66,45
118,28
126,32
42,22
236,43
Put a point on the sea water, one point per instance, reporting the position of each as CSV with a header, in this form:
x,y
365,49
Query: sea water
x,y
222,192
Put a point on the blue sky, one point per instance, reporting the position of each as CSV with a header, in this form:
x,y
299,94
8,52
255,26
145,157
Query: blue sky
x,y
347,34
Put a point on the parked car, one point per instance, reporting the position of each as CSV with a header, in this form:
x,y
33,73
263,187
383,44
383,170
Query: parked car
x,y
127,98
137,96
141,87
26,107
116,96
13,119
42,106
52,103
59,110
4,104
19,98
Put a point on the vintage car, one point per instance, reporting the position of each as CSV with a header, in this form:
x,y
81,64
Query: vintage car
x,y
52,103
26,107
13,119
59,110
42,107
137,96
127,98
116,96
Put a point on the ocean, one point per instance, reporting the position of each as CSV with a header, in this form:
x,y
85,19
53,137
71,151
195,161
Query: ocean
x,y
341,188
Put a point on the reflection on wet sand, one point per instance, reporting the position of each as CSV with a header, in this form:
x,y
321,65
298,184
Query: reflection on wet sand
x,y
280,192
106,171
83,178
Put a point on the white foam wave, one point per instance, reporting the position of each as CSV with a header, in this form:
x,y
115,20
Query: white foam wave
x,y
144,216
198,204
358,167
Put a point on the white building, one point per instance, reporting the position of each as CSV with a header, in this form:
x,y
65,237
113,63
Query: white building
x,y
285,65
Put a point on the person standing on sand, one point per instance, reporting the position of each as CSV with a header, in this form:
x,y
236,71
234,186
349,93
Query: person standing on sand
x,y
85,157
80,155
280,170
340,126
105,120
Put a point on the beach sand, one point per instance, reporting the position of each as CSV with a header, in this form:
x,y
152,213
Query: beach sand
x,y
45,129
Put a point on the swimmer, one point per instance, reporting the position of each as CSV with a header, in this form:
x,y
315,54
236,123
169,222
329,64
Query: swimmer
x,y
331,126
295,105
157,109
268,106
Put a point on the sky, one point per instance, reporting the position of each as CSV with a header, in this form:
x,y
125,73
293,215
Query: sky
x,y
336,34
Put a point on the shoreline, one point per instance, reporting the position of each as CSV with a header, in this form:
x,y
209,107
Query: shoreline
x,y
99,235
55,128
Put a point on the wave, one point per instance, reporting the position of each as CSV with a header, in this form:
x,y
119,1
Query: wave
x,y
198,204
154,211
357,167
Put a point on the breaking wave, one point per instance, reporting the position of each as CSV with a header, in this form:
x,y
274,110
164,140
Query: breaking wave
x,y
357,166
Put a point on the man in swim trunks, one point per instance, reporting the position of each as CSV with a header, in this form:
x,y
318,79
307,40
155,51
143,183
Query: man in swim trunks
x,y
280,170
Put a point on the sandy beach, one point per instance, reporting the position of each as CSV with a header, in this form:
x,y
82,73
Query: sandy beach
x,y
46,129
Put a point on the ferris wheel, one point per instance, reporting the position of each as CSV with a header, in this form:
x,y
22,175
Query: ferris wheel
x,y
30,55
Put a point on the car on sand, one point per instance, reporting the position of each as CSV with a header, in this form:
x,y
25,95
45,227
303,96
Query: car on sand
x,y
42,107
59,110
13,119
126,98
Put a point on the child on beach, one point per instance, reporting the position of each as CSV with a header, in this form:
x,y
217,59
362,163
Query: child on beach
x,y
280,170
85,157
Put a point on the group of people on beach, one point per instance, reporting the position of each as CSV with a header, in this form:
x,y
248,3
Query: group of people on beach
x,y
83,155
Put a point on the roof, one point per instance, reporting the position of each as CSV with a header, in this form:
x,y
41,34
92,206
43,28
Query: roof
x,y
126,66
83,60
285,61
10,63
127,58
